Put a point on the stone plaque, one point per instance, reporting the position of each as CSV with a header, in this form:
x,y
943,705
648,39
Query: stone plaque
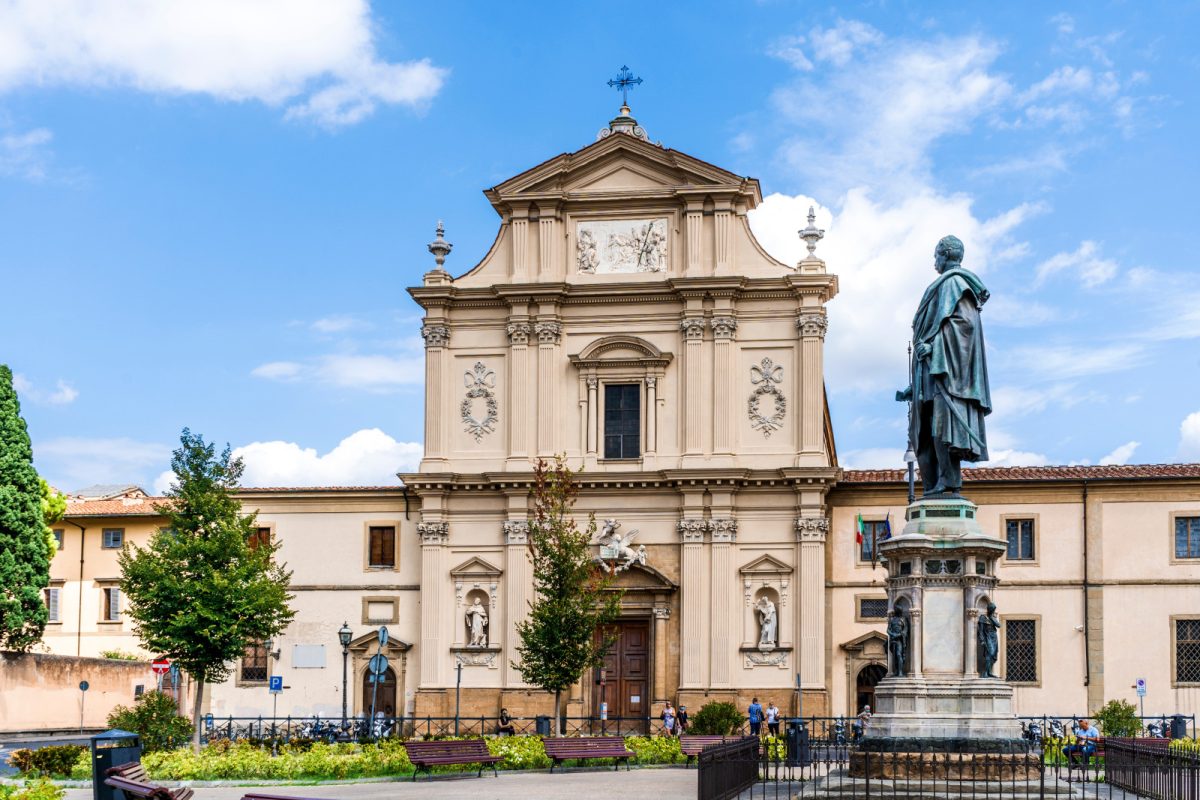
x,y
618,246
943,630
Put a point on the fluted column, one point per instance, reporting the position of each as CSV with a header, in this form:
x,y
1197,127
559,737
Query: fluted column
x,y
661,615
548,334
811,326
724,534
916,638
693,399
520,248
811,532
970,646
518,390
593,418
518,593
437,337
651,446
434,537
691,586
694,228
723,242
723,333
549,245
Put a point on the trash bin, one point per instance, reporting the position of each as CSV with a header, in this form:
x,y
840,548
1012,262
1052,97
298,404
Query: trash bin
x,y
111,749
796,741
541,725
1178,727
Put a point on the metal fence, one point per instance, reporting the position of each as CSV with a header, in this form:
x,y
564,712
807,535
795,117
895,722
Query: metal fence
x,y
1162,726
1151,768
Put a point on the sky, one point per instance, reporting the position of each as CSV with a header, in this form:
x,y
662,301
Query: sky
x,y
209,212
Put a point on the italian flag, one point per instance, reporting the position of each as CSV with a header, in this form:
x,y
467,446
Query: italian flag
x,y
858,529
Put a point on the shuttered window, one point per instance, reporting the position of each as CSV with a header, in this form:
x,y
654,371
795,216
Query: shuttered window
x,y
52,596
260,537
112,604
383,547
113,538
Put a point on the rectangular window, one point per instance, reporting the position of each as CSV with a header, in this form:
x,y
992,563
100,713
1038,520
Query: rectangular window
x,y
383,547
1187,537
872,607
260,536
1187,651
872,534
112,604
254,663
622,420
52,604
113,538
1020,650
1020,539
59,535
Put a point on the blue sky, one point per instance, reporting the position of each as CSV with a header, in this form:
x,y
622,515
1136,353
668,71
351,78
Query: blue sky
x,y
209,212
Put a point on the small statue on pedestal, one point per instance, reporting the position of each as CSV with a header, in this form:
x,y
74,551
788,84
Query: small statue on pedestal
x,y
767,622
897,631
477,621
989,641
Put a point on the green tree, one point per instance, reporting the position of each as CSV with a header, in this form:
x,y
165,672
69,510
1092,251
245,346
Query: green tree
x,y
201,590
24,549
1118,718
573,598
155,719
54,508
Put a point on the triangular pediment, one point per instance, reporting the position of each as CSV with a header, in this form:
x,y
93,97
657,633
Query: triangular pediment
x,y
766,565
872,643
476,567
643,578
369,643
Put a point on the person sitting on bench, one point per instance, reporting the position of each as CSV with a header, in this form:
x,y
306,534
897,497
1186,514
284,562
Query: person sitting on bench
x,y
505,728
1085,745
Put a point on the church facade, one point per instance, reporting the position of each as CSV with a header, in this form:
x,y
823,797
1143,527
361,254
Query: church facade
x,y
626,319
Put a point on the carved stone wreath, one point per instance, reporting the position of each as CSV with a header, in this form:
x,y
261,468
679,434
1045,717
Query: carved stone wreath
x,y
479,382
764,378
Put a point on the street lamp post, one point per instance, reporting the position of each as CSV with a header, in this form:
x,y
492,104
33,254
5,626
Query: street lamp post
x,y
910,459
344,634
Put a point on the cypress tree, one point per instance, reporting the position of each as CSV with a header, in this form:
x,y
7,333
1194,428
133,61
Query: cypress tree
x,y
24,551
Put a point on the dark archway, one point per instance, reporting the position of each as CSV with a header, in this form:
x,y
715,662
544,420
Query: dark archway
x,y
868,677
384,693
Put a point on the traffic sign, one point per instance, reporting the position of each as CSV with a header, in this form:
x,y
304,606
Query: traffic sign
x,y
383,636
275,684
378,664
83,686
1140,685
160,666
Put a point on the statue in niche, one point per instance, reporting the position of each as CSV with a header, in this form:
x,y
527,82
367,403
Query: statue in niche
x,y
988,634
897,631
477,622
767,621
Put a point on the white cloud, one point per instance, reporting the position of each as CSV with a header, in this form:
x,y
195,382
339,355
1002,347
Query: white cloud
x,y
873,458
1189,438
1085,261
278,370
62,394
368,457
71,462
838,44
1014,458
1064,22
1075,361
375,372
25,155
1121,455
336,324
883,255
791,50
319,55
1013,312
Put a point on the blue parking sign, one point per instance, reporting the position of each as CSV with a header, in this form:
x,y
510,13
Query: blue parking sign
x,y
275,684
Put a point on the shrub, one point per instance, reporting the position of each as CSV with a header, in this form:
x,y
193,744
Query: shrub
x,y
519,752
1118,718
716,719
82,771
155,718
35,789
656,749
57,760
120,655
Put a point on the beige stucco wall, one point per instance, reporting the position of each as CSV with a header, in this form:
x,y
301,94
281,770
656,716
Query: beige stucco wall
x,y
41,692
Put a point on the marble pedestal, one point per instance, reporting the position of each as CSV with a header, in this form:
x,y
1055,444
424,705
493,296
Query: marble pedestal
x,y
941,578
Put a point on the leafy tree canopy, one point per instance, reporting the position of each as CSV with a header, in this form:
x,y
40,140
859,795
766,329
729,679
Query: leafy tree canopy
x,y
24,549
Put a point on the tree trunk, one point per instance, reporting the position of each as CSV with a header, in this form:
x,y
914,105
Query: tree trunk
x,y
558,712
196,714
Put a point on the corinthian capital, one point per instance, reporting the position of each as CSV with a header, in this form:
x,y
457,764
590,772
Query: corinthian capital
x,y
723,327
812,529
724,529
435,335
692,530
548,332
518,332
812,324
693,327
516,531
434,533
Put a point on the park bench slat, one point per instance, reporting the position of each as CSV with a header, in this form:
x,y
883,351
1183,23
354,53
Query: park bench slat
x,y
424,755
560,749
258,796
692,744
131,781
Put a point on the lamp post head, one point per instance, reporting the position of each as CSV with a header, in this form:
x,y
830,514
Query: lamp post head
x,y
345,634
910,457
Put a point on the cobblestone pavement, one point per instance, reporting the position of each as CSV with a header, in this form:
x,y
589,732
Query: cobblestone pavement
x,y
659,784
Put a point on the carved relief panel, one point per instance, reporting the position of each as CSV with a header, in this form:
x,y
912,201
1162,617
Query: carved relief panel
x,y
621,246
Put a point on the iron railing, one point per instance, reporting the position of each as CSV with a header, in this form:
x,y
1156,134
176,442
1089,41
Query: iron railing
x,y
1050,726
1152,768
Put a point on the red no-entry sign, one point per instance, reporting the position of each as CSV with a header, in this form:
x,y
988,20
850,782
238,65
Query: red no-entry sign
x,y
160,666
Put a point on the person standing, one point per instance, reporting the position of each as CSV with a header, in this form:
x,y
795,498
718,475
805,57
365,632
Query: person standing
x,y
681,720
756,716
772,718
668,719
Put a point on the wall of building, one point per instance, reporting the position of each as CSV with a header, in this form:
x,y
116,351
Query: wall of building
x,y
40,692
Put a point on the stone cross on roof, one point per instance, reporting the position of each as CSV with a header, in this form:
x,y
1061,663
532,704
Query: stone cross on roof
x,y
624,82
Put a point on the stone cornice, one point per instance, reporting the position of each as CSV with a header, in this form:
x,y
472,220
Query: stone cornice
x,y
789,477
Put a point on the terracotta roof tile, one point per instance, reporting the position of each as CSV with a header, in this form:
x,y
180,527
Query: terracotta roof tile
x,y
984,474
140,507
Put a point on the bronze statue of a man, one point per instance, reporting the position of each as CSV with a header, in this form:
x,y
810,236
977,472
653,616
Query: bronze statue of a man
x,y
987,634
949,383
897,632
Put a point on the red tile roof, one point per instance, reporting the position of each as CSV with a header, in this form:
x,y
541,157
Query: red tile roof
x,y
140,507
984,474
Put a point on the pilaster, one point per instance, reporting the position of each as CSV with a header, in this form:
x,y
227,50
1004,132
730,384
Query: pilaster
x,y
518,594
549,333
693,369
691,570
662,614
434,538
437,337
811,326
518,391
724,328
724,534
812,530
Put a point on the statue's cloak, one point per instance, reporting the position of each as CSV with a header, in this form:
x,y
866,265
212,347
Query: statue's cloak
x,y
954,376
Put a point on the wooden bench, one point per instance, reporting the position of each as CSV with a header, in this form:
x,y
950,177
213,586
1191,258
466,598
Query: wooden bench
x,y
257,796
561,748
131,780
692,745
424,755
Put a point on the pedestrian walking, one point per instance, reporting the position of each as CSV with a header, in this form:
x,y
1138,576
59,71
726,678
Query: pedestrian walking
x,y
756,717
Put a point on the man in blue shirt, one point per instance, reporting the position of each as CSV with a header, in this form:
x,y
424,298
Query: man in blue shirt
x,y
756,716
1085,745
